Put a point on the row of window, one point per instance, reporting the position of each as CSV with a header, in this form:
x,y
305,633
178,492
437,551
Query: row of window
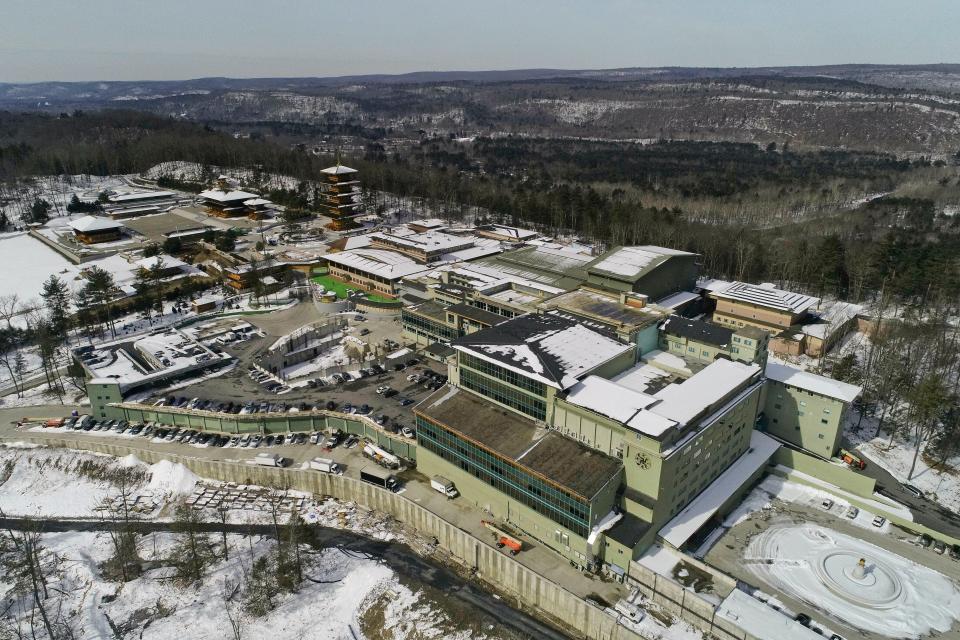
x,y
424,327
546,499
514,398
503,374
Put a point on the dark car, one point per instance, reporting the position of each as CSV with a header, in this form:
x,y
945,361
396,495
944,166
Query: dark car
x,y
364,409
280,440
803,619
270,440
346,376
412,361
405,402
378,369
389,393
399,366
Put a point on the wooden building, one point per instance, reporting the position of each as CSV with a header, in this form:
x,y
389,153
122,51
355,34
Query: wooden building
x,y
341,197
94,229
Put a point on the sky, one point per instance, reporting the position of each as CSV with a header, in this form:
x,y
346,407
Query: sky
x,y
73,40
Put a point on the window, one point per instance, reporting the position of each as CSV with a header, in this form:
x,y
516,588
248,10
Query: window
x,y
691,350
824,421
776,406
820,435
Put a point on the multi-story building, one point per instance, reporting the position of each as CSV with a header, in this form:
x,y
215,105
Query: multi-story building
x,y
653,271
376,270
341,200
703,342
740,304
806,410
522,364
627,315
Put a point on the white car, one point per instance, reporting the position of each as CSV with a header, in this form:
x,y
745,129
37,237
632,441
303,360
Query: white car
x,y
879,521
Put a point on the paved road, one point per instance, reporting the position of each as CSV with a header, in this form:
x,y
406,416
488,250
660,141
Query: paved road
x,y
398,557
925,512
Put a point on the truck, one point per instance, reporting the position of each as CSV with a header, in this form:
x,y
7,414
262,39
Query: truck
x,y
380,456
379,477
325,464
270,460
444,486
852,459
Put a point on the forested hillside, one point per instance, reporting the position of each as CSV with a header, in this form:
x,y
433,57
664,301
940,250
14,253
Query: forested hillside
x,y
834,222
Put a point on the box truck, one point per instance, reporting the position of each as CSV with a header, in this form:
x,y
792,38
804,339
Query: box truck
x,y
444,486
379,477
325,464
270,460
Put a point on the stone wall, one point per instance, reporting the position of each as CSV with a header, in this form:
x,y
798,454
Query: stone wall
x,y
504,574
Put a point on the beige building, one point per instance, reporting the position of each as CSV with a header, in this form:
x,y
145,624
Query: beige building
x,y
741,304
806,410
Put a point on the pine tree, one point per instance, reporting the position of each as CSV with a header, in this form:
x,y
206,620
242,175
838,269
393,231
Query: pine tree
x,y
56,298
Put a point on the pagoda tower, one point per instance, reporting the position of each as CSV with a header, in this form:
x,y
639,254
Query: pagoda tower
x,y
341,197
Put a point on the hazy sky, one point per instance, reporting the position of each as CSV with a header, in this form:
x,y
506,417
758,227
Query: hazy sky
x,y
177,39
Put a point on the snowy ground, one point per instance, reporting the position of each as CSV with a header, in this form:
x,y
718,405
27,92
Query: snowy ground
x,y
788,557
350,596
354,595
58,190
940,486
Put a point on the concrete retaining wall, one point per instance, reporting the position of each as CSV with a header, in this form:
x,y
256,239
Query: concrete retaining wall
x,y
835,474
502,572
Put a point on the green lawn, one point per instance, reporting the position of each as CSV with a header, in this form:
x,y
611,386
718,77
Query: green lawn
x,y
342,289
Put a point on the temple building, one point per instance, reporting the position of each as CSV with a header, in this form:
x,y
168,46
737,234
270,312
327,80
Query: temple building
x,y
341,197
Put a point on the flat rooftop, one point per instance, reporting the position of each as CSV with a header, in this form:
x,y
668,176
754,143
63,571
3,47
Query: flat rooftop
x,y
698,330
821,385
473,313
558,459
603,307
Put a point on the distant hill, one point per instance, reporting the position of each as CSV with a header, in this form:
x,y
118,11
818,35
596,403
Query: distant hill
x,y
905,109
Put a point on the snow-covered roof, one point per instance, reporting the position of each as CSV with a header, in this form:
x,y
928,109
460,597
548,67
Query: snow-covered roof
x,y
821,385
685,401
169,262
426,241
832,316
677,299
550,349
428,223
686,523
767,295
760,620
339,170
87,224
631,262
256,202
379,262
141,195
227,196
609,398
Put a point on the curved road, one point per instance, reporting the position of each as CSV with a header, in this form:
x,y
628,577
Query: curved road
x,y
398,557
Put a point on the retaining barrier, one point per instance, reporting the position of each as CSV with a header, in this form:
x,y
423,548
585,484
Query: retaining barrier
x,y
532,590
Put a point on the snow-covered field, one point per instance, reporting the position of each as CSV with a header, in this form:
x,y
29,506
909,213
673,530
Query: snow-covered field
x,y
900,598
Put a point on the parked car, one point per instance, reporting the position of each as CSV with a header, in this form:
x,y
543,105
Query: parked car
x,y
879,521
803,619
407,431
939,547
389,393
914,490
405,402
852,512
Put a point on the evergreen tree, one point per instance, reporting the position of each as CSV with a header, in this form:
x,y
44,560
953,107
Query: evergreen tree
x,y
56,298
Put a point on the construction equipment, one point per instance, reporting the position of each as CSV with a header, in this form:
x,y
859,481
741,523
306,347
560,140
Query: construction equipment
x,y
852,459
380,456
46,422
504,539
